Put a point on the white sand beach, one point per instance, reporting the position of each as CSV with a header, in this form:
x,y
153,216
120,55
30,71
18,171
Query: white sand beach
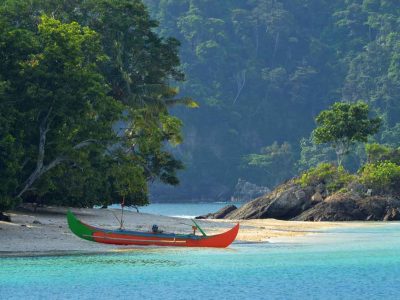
x,y
46,230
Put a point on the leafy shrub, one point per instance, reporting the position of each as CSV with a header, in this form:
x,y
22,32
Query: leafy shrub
x,y
334,178
377,152
383,177
273,165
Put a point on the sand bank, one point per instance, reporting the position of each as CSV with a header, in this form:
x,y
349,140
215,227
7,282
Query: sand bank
x,y
46,231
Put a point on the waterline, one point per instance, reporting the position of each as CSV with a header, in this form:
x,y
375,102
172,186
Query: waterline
x,y
355,263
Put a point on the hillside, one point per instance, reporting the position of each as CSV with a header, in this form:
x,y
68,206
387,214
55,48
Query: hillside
x,y
261,71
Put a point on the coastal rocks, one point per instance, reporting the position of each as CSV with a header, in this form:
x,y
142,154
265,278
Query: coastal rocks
x,y
392,214
245,191
284,203
352,207
316,198
291,201
357,187
222,213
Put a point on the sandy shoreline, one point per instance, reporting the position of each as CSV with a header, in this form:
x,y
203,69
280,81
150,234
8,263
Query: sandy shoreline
x,y
46,232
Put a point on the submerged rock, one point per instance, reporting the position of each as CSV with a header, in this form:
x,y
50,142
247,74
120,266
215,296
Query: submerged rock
x,y
222,213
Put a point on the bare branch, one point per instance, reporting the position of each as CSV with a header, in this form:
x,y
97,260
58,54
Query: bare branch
x,y
40,167
85,144
53,164
240,81
43,129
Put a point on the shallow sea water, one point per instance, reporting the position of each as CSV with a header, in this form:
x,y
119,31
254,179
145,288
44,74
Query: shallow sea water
x,y
355,263
182,210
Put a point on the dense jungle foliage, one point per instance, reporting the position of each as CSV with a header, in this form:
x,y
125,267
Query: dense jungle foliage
x,y
262,70
88,91
84,96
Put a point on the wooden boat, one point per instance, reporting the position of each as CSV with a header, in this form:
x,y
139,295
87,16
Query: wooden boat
x,y
127,237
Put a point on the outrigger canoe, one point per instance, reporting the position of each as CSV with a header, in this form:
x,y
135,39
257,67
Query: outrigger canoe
x,y
127,237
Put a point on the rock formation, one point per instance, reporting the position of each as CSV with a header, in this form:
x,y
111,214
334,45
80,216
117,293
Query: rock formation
x,y
222,213
291,201
284,203
352,207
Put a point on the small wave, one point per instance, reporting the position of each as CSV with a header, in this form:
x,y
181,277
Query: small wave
x,y
184,216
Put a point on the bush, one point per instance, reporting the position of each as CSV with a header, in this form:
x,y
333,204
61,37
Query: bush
x,y
377,152
383,177
334,178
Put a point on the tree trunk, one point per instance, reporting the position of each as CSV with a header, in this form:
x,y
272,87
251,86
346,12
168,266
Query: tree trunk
x,y
40,167
339,158
341,149
275,48
240,82
43,129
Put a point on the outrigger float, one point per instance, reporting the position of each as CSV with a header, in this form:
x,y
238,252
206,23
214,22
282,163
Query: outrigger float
x,y
127,237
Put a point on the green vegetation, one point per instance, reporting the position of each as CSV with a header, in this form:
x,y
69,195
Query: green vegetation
x,y
88,92
275,157
343,125
382,177
262,71
376,152
381,173
333,177
84,96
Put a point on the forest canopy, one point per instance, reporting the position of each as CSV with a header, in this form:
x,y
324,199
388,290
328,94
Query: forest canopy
x,y
84,96
86,90
263,70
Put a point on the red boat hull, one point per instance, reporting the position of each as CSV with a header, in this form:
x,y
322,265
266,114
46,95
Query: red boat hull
x,y
218,241
122,237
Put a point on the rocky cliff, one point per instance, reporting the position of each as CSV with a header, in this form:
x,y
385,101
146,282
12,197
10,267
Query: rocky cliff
x,y
284,203
351,207
291,201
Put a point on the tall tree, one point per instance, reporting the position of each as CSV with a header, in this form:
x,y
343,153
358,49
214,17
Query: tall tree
x,y
344,124
58,91
94,91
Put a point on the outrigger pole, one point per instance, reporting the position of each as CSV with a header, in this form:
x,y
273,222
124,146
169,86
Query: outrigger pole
x,y
122,213
198,227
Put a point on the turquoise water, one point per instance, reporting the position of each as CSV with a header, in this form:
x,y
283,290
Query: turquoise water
x,y
182,210
356,263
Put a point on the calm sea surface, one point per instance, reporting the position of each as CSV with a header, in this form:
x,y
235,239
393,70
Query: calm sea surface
x,y
356,263
182,210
